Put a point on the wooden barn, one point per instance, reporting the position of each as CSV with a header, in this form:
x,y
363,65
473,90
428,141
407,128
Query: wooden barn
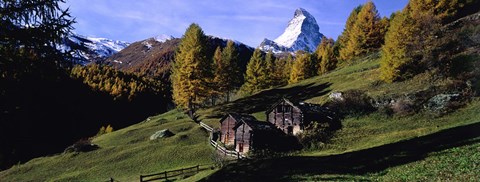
x,y
293,118
228,122
252,134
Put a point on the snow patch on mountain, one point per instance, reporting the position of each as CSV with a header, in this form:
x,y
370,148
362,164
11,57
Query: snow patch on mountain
x,y
302,33
92,49
163,38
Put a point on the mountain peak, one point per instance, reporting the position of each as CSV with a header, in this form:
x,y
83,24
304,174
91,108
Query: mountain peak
x,y
301,33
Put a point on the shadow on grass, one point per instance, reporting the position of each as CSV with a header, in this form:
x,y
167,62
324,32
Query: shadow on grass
x,y
360,162
265,99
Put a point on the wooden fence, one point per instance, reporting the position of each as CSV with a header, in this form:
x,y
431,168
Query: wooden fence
x,y
219,147
174,173
206,127
225,151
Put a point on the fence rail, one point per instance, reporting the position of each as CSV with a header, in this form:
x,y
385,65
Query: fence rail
x,y
208,128
226,151
219,147
173,173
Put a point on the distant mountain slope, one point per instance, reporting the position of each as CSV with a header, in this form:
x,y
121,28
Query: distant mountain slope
x,y
92,49
152,57
302,33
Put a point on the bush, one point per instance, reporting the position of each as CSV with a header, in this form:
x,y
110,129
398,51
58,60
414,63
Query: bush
x,y
104,130
315,135
352,103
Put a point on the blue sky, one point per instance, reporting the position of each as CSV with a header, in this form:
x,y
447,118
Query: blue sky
x,y
247,21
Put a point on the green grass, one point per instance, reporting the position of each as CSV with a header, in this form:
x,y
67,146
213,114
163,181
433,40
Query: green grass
x,y
125,154
380,146
460,163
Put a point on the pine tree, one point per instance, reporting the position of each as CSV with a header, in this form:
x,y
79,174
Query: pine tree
x,y
367,34
255,77
326,56
191,69
233,77
345,36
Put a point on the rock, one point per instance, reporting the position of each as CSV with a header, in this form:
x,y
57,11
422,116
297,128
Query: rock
x,y
161,134
337,96
81,146
439,103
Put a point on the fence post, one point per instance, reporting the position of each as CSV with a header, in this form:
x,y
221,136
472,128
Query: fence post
x,y
165,175
141,178
198,168
111,179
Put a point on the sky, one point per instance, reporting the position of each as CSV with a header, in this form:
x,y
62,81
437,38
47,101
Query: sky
x,y
247,21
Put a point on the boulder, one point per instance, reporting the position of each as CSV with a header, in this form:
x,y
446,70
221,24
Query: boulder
x,y
161,134
439,103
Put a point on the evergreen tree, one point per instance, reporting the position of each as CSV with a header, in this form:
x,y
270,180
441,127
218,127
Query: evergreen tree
x,y
367,34
33,29
326,56
301,68
256,74
191,69
345,36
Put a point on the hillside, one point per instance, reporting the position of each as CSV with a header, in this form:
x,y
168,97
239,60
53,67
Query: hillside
x,y
124,154
127,153
152,57
393,99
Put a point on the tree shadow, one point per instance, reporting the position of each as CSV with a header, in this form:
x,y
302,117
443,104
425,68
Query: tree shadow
x,y
265,99
360,162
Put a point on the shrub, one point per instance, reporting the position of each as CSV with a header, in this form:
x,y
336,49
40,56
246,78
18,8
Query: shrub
x,y
352,103
315,135
104,130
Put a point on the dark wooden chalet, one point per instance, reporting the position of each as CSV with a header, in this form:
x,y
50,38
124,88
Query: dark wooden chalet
x,y
228,122
252,134
293,118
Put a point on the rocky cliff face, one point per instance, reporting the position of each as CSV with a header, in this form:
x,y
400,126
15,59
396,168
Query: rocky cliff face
x,y
302,33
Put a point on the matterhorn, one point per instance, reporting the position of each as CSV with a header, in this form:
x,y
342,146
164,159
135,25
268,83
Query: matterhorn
x,y
302,33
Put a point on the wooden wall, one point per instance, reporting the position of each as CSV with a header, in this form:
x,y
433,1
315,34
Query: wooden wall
x,y
285,116
226,129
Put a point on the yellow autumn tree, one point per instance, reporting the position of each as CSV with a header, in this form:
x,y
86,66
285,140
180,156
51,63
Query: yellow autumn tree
x,y
191,69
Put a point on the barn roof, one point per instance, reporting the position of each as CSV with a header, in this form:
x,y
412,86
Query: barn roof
x,y
279,102
305,108
255,125
238,117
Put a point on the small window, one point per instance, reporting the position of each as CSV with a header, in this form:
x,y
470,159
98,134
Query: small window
x,y
288,109
279,108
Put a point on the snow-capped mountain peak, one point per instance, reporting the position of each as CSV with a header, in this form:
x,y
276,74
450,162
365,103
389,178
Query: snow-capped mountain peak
x,y
302,33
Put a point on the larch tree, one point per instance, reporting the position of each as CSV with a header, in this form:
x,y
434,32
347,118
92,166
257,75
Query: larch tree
x,y
191,69
367,34
270,62
412,43
256,74
345,36
326,56
233,74
301,68
220,80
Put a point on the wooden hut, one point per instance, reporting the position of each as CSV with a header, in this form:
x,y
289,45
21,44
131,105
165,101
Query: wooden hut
x,y
227,123
293,118
250,134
